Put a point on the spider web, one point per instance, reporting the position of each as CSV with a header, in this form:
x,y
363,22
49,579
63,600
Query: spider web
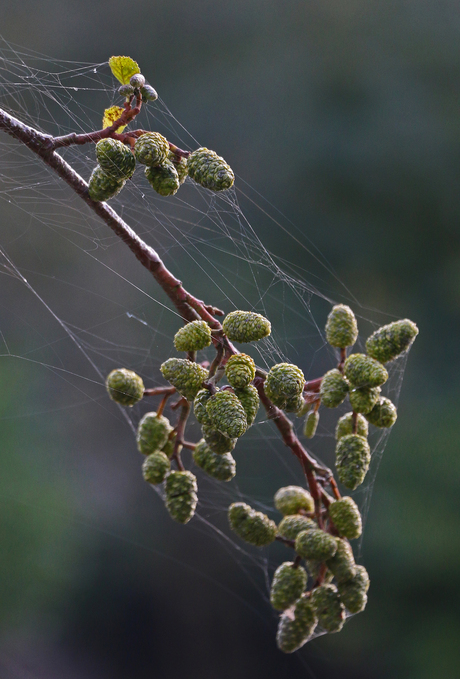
x,y
106,312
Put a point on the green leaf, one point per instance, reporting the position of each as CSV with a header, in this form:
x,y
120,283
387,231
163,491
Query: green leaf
x,y
123,68
111,115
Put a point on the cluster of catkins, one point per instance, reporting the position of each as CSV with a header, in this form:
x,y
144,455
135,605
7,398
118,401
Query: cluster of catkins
x,y
334,583
165,170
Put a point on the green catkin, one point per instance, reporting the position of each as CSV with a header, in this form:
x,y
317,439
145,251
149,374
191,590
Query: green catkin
x,y
383,414
240,370
186,376
210,170
346,518
390,341
199,406
216,441
151,149
193,337
294,524
341,327
329,608
115,159
226,414
345,426
251,526
126,91
334,388
249,398
125,387
353,457
311,424
152,433
155,467
353,592
292,499
181,497
284,382
296,626
163,178
101,187
364,371
181,166
287,585
315,544
149,93
342,564
363,399
246,326
294,404
220,467
137,80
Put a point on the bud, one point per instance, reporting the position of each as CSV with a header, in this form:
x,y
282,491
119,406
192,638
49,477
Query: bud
x,y
329,609
193,336
334,388
220,467
346,518
226,414
291,499
148,93
253,527
383,414
181,497
218,443
151,149
353,457
126,91
199,406
210,170
342,565
294,524
137,80
296,626
345,426
115,159
362,400
341,327
284,381
152,433
125,387
155,467
102,187
249,398
240,370
390,341
181,166
163,178
287,585
311,424
294,404
363,371
246,326
353,593
315,544
186,376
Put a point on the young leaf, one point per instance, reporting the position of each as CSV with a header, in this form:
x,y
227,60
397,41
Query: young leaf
x,y
123,68
110,116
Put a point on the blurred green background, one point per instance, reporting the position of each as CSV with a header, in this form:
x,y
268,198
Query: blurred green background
x,y
345,115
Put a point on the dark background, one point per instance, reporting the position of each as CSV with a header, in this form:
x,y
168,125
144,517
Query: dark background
x,y
344,114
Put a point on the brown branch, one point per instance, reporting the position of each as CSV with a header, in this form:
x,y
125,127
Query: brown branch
x,y
159,391
180,431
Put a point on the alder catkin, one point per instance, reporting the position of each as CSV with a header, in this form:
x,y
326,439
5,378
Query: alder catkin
x,y
293,524
353,592
151,149
181,497
383,414
249,398
155,467
125,386
363,399
345,426
251,526
353,457
390,341
101,187
346,517
210,170
311,424
240,370
152,433
220,466
193,336
296,626
341,327
284,381
334,388
364,371
226,414
292,499
199,406
246,326
115,159
287,585
315,544
216,441
342,564
163,178
328,607
186,376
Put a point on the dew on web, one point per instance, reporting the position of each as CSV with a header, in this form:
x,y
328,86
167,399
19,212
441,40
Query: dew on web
x,y
203,238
